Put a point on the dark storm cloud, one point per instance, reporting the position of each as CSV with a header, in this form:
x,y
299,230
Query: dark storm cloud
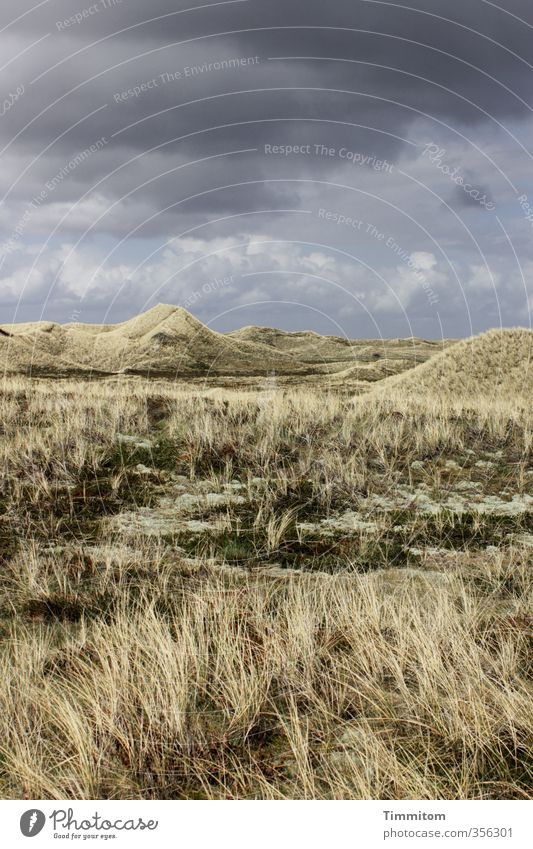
x,y
176,92
414,47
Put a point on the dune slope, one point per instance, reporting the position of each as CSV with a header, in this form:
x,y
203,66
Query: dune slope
x,y
495,364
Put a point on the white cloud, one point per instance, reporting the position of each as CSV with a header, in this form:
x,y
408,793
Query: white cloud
x,y
217,275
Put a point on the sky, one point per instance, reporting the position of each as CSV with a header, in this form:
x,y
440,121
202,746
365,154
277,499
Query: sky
x,y
359,168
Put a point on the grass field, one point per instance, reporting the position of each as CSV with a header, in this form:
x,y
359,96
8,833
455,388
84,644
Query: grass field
x,y
264,594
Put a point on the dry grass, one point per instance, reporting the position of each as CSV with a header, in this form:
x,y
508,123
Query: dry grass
x,y
496,364
131,669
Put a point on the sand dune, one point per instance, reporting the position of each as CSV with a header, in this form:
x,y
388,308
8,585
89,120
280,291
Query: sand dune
x,y
166,340
345,355
496,364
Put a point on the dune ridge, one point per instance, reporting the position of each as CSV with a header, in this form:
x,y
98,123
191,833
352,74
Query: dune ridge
x,y
168,341
495,364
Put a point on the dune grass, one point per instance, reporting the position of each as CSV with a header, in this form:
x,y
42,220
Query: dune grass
x,y
205,666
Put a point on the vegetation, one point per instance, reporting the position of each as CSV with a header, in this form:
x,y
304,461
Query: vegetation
x,y
263,594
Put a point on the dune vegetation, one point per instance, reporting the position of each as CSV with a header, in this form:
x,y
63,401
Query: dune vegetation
x,y
167,341
264,593
496,364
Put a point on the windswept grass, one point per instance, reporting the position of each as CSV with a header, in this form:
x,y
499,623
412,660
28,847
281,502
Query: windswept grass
x,y
395,663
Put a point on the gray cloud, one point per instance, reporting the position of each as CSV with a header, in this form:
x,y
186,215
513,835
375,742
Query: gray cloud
x,y
189,104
